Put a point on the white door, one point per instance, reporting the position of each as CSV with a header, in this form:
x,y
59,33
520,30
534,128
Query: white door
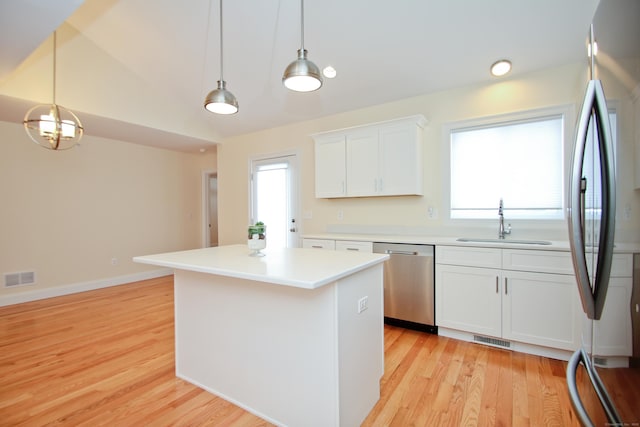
x,y
274,199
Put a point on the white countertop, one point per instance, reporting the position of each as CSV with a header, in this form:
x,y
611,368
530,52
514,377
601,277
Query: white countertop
x,y
556,245
297,267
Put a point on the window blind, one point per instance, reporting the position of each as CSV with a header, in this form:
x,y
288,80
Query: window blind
x,y
519,162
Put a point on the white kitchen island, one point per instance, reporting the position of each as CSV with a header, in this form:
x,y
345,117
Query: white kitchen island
x,y
295,337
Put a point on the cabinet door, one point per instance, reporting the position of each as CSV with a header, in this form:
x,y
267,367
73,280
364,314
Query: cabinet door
x,y
400,160
613,335
330,166
469,299
362,163
541,309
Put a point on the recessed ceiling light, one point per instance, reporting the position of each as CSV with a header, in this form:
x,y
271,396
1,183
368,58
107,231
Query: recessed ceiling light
x,y
329,72
501,67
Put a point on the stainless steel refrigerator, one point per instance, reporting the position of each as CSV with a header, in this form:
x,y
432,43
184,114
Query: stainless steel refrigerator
x,y
613,52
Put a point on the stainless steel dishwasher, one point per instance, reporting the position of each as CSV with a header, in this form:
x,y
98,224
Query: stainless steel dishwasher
x,y
409,285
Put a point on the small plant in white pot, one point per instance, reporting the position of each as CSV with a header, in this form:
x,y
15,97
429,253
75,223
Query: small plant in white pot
x,y
257,238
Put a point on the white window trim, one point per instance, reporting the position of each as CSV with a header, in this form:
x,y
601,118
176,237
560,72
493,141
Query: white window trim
x,y
568,111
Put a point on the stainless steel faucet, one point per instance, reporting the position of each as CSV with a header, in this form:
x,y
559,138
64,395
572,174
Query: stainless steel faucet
x,y
501,230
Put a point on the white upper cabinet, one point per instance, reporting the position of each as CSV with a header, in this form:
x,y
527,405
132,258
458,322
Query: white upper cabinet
x,y
381,159
401,162
363,158
331,178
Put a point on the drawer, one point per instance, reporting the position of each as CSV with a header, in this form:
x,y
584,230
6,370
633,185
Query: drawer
x,y
469,256
352,245
558,262
319,244
621,265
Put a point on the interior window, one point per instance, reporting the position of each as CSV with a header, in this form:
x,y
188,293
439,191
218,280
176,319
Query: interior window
x,y
519,161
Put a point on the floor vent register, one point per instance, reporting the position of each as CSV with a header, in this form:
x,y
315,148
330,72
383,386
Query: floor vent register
x,y
19,279
492,341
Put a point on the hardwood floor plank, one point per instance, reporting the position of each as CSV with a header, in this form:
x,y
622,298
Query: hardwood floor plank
x,y
520,396
504,393
106,358
473,402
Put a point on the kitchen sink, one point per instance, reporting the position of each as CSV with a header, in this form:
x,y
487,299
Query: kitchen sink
x,y
510,241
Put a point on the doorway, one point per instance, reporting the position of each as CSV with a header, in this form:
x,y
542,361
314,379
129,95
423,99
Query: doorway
x,y
274,198
210,208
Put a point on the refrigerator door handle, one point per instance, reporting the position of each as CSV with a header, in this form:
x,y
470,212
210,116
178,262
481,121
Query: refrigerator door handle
x,y
592,297
580,356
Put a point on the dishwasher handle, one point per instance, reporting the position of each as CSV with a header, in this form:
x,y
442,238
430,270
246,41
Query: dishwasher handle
x,y
395,252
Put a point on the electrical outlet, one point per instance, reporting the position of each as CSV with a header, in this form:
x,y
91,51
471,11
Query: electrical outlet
x,y
114,261
340,215
363,304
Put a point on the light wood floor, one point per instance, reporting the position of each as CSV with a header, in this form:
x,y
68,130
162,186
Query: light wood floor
x,y
106,357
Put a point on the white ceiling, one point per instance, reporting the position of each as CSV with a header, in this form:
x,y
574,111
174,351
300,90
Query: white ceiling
x,y
382,50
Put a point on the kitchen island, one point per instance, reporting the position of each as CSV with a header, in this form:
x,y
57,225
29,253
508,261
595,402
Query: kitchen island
x,y
295,337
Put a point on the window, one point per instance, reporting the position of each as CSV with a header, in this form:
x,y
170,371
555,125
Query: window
x,y
519,160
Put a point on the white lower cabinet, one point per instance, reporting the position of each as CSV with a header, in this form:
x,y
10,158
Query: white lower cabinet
x,y
467,300
613,331
319,244
354,246
338,245
531,307
541,309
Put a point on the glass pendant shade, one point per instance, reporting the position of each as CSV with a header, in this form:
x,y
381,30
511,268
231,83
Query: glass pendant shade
x,y
302,75
221,101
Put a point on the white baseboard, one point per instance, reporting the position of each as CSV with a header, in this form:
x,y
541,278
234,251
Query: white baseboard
x,y
73,288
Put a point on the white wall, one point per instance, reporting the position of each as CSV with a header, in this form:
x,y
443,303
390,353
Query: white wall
x,y
547,88
67,214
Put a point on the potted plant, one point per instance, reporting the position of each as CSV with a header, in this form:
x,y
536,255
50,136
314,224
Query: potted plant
x,y
257,238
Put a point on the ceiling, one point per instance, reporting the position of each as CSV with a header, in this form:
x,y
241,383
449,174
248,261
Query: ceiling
x,y
147,66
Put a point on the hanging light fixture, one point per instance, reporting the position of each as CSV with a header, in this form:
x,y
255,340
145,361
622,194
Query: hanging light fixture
x,y
53,126
220,100
302,75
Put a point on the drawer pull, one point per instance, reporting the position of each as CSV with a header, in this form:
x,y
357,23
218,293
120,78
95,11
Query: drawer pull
x,y
353,249
316,246
506,286
497,279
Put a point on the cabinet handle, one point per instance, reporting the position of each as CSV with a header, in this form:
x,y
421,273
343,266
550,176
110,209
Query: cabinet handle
x,y
316,246
497,284
506,286
353,249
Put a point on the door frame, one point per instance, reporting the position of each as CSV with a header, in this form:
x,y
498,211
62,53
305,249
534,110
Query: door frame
x,y
265,156
205,232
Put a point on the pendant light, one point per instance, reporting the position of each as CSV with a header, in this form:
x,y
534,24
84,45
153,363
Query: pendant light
x,y
220,100
302,75
52,126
